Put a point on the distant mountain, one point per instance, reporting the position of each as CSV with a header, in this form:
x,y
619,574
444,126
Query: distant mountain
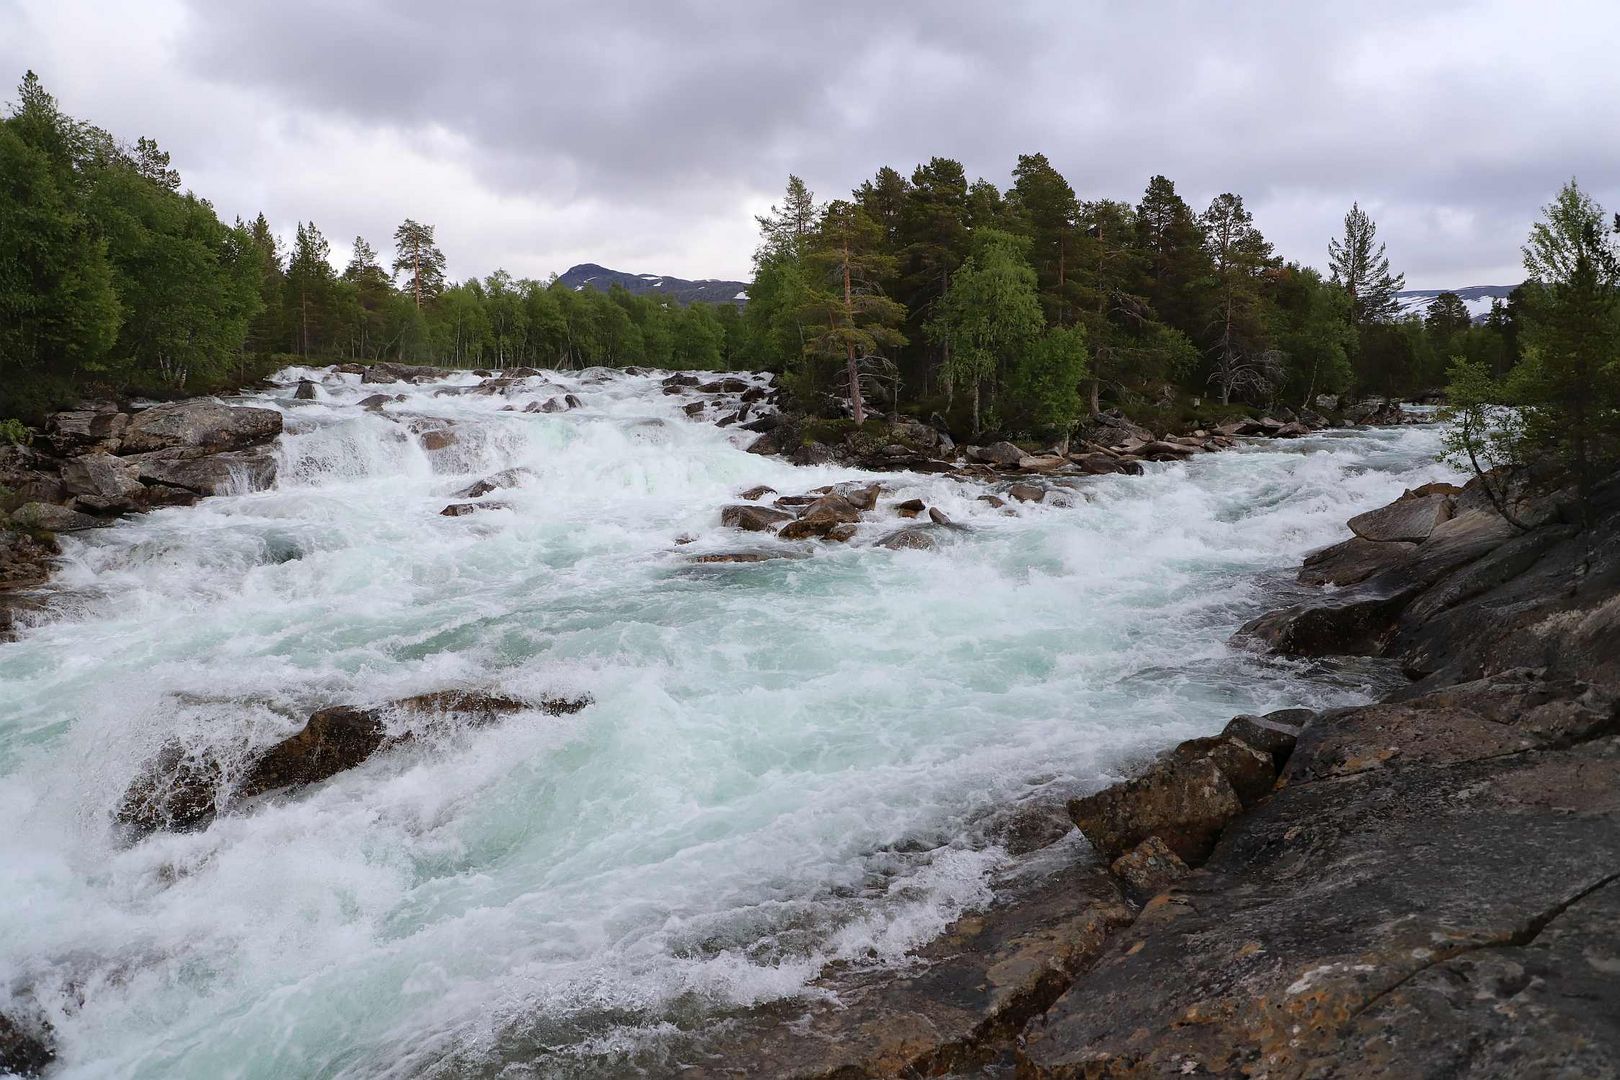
x,y
707,291
1476,298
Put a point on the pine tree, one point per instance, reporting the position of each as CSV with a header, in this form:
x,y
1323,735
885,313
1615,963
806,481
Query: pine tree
x,y
1240,255
785,232
419,260
1049,213
1102,287
309,288
847,314
1362,270
1176,266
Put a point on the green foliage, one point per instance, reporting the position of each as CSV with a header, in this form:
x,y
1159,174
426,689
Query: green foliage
x,y
1560,406
1044,390
1362,270
988,317
13,433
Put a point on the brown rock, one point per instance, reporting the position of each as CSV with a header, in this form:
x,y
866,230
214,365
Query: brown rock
x,y
1027,493
995,501
504,479
1150,867
752,518
912,538
733,557
438,439
1275,732
1250,770
1353,561
1184,803
937,516
910,508
754,494
840,534
463,509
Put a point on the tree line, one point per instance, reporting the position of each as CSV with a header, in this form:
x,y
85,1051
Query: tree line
x,y
1021,311
114,281
1015,311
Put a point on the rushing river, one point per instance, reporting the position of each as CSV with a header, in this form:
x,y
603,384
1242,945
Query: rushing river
x,y
787,763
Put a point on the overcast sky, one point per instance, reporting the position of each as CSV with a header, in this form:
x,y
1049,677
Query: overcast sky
x,y
646,135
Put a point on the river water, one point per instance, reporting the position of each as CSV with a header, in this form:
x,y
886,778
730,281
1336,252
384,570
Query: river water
x,y
786,764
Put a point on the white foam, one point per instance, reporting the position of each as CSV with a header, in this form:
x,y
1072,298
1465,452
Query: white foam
x,y
780,769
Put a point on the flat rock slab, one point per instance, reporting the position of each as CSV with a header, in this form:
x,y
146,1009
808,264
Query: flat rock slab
x,y
1425,914
1409,519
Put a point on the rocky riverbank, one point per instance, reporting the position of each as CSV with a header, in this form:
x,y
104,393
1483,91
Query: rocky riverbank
x,y
95,464
1428,886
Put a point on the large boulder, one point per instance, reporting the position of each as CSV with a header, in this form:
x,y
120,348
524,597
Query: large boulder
x,y
1354,561
101,483
1408,520
1184,798
93,426
206,425
52,518
227,473
1356,622
1004,454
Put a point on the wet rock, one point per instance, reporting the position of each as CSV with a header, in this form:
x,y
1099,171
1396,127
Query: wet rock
x,y
1354,561
27,1048
763,445
478,708
937,516
910,508
437,439
1027,493
1185,803
1150,867
305,391
230,472
207,425
504,479
572,402
734,557
753,518
995,501
377,401
754,494
102,483
831,509
840,534
767,422
466,508
1407,519
1004,454
1274,733
1250,770
860,496
913,538
1356,622
947,1013
333,741
694,408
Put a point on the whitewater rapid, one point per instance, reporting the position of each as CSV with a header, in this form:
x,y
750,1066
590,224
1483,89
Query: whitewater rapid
x,y
786,764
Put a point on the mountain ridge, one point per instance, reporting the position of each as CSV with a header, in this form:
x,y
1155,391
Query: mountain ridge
x,y
683,290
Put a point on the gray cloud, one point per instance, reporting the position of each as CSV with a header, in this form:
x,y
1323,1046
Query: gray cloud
x,y
646,135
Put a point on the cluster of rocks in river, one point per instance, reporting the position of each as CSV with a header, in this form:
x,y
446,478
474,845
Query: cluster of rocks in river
x,y
1428,886
98,462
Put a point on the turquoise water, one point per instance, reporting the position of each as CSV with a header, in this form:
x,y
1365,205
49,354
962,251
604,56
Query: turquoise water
x,y
787,763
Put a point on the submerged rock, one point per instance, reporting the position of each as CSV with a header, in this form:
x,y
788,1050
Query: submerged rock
x,y
180,791
26,1049
911,538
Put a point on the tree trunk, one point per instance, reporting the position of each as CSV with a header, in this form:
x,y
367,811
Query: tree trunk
x,y
855,403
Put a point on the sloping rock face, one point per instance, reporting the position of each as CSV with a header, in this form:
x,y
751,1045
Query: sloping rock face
x,y
1415,900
